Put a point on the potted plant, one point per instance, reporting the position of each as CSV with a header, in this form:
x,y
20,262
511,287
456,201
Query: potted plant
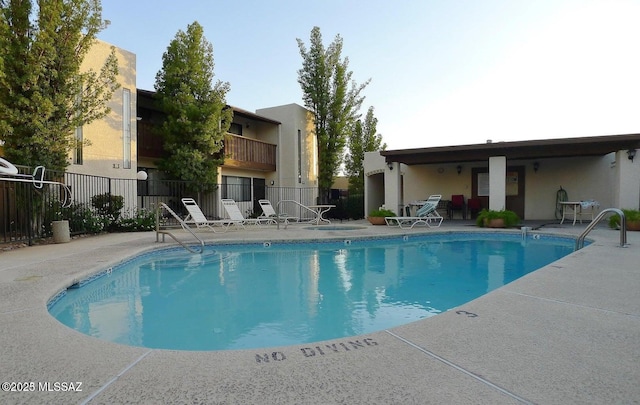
x,y
632,218
497,219
377,217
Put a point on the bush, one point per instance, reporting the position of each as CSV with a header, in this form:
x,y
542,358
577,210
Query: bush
x,y
629,215
510,218
382,213
81,218
108,206
141,220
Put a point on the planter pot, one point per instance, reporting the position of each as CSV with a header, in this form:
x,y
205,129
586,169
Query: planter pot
x,y
60,230
494,223
377,220
633,225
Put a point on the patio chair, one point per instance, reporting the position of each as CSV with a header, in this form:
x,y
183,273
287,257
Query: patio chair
x,y
425,215
457,204
234,213
269,212
197,217
474,206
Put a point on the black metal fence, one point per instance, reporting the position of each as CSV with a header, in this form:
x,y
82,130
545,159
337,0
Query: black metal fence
x,y
26,212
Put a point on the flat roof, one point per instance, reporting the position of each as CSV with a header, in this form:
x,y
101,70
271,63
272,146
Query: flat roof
x,y
537,149
145,100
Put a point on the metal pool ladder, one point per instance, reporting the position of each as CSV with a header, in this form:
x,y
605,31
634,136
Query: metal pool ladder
x,y
623,227
184,225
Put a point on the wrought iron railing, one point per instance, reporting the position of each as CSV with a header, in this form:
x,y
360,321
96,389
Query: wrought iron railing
x,y
26,212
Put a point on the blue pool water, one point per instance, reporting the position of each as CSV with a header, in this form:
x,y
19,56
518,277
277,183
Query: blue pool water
x,y
242,296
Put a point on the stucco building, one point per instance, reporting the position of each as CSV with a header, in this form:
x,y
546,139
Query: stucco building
x,y
520,176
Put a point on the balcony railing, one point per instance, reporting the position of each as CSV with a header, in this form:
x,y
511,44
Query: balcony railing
x,y
249,153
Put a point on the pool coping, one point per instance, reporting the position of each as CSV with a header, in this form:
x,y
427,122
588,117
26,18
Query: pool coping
x,y
571,339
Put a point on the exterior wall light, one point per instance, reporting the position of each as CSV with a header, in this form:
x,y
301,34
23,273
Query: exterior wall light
x,y
631,153
459,169
536,166
390,165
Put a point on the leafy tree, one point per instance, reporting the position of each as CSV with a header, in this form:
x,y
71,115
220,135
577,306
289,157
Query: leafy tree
x,y
196,118
363,138
333,97
43,94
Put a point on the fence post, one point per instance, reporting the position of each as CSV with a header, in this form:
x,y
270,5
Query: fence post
x,y
30,222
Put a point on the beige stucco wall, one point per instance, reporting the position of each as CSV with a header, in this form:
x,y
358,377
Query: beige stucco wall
x,y
600,178
374,167
627,181
293,118
105,155
584,178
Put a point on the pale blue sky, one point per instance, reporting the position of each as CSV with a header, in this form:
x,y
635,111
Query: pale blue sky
x,y
443,72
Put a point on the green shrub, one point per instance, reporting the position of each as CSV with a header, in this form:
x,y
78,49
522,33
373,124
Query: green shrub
x,y
510,218
141,220
629,215
109,207
382,213
81,219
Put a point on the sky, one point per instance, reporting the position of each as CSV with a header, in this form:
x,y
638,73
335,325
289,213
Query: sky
x,y
446,72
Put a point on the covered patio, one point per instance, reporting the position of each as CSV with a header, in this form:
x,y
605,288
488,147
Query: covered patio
x,y
521,176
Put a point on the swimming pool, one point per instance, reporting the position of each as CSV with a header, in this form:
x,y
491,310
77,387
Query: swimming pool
x,y
241,296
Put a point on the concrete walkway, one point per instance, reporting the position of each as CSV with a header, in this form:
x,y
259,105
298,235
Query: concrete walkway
x,y
568,333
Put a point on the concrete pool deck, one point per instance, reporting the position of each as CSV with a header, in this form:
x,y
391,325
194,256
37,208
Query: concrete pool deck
x,y
567,333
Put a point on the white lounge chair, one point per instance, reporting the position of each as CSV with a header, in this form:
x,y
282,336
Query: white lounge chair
x,y
269,212
235,214
197,217
426,215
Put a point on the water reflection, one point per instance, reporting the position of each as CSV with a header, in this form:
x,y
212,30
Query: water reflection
x,y
242,297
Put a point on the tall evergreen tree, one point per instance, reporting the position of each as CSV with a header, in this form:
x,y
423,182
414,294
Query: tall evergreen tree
x,y
333,97
43,94
196,118
363,138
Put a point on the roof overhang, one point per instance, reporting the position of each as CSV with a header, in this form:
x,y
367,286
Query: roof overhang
x,y
248,114
538,149
146,100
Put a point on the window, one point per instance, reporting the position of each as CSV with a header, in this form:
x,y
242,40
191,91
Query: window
x,y
236,188
483,184
126,128
299,157
235,129
77,150
79,137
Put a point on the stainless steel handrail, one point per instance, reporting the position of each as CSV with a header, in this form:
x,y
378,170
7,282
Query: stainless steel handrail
x,y
184,225
623,227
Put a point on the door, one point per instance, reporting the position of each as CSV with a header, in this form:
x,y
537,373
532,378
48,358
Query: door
x,y
259,193
515,190
514,181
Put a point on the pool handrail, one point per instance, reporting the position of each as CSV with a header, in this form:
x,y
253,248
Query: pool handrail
x,y
184,225
37,179
623,227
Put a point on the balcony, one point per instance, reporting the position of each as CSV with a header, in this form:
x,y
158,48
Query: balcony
x,y
249,153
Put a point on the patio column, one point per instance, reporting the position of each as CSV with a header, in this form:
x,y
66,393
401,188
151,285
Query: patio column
x,y
497,182
392,183
628,188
